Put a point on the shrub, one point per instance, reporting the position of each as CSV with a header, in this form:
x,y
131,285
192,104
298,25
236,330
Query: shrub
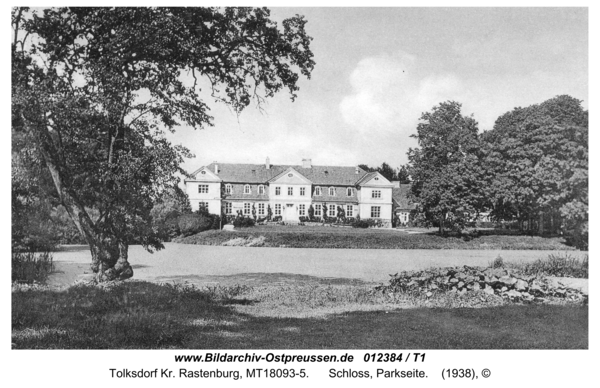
x,y
194,223
498,262
277,218
243,222
367,223
30,267
562,265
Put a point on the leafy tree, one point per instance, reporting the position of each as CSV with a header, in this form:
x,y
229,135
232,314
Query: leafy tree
x,y
388,172
446,172
403,175
166,212
311,212
93,90
537,159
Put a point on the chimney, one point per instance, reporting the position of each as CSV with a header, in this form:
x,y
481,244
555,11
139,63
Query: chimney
x,y
268,164
216,167
356,170
306,163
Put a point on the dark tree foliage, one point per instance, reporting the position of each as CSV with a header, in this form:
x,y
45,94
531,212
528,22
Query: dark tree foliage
x,y
385,169
537,161
93,90
446,170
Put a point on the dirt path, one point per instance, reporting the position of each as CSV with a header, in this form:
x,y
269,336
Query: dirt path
x,y
214,264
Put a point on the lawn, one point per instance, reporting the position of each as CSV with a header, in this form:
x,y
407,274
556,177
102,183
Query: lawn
x,y
140,315
354,238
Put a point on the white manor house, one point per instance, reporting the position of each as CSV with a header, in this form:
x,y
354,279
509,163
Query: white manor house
x,y
290,190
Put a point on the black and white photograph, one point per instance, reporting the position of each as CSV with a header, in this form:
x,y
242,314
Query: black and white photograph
x,y
324,194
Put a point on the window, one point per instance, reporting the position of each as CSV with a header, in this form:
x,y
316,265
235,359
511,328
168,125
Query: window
x,y
247,189
376,194
301,210
228,189
318,211
290,191
261,189
247,207
349,192
277,209
331,212
349,211
261,209
303,191
202,189
332,191
375,211
277,190
318,190
203,205
228,209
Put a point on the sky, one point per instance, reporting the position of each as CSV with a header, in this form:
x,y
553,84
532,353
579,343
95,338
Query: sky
x,y
378,69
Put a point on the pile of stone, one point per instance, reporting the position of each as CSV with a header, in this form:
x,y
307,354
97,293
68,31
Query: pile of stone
x,y
493,281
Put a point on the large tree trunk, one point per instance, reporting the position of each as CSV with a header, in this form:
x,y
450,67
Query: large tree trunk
x,y
109,254
109,260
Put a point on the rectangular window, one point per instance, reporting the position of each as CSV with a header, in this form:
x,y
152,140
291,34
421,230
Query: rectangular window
x,y
290,191
303,191
228,209
277,209
375,211
228,189
349,211
247,189
277,190
261,189
332,191
317,190
261,209
318,211
203,205
247,208
331,212
349,192
376,194
202,189
301,210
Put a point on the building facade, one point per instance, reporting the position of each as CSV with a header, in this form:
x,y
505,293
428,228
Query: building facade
x,y
289,191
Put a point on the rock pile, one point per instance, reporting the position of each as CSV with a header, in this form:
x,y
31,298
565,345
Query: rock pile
x,y
493,281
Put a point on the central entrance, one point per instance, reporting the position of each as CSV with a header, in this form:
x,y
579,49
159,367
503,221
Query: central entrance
x,y
290,213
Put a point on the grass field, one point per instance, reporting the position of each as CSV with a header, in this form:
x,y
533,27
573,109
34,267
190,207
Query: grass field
x,y
141,315
354,238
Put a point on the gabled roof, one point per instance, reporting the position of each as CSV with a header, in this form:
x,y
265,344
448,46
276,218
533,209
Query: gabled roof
x,y
371,175
289,170
258,173
400,197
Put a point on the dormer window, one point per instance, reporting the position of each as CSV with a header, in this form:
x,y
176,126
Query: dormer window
x,y
318,190
228,189
261,189
349,192
247,189
203,172
331,191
